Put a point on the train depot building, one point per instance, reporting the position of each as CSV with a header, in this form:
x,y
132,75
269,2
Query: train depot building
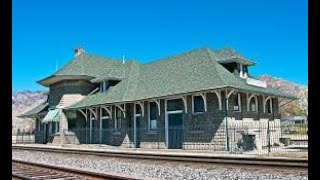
x,y
200,99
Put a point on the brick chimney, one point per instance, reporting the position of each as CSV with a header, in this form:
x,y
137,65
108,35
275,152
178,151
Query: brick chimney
x,y
78,51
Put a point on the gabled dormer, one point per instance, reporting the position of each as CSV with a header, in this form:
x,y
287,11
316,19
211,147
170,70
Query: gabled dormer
x,y
105,85
234,62
238,69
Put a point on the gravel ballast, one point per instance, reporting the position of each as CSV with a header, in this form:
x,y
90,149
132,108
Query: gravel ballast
x,y
147,169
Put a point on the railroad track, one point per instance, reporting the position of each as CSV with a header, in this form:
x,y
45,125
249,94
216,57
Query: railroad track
x,y
257,161
27,170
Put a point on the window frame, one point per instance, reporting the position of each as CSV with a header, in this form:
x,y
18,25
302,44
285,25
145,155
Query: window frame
x,y
269,105
193,105
103,86
256,102
239,103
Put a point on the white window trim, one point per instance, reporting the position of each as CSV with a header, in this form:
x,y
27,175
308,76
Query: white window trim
x,y
204,104
239,102
149,120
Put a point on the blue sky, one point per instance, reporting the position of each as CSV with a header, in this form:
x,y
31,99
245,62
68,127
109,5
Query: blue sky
x,y
272,33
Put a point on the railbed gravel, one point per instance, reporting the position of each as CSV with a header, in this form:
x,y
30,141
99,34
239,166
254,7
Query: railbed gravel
x,y
147,169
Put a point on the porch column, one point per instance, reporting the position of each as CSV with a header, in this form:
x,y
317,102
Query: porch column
x,y
63,129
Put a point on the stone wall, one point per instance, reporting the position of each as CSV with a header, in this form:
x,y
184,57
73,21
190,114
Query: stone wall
x,y
205,130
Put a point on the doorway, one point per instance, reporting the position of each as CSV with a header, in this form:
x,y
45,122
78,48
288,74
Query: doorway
x,y
136,125
174,123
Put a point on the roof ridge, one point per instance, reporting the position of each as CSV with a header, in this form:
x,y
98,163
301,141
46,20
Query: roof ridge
x,y
215,66
176,55
133,63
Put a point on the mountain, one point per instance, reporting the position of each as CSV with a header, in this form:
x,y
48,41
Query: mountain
x,y
300,91
23,101
26,100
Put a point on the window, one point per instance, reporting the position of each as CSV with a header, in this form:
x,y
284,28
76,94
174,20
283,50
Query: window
x,y
138,109
103,86
54,127
253,104
118,119
153,110
237,102
243,70
104,116
198,104
175,105
268,106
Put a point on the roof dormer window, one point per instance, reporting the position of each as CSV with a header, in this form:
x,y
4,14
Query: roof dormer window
x,y
103,86
243,70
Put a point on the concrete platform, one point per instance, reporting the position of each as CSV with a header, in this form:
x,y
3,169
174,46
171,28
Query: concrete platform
x,y
203,154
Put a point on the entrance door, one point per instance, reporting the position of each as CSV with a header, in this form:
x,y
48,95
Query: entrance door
x,y
137,132
95,131
46,132
136,125
104,131
175,131
173,123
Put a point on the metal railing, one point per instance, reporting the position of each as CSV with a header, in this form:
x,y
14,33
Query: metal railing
x,y
242,137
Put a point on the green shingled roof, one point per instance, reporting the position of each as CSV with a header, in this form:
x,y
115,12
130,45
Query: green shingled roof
x,y
192,71
41,108
88,67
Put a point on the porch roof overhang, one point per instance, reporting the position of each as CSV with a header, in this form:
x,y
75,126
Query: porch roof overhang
x,y
52,116
96,102
237,60
105,78
36,111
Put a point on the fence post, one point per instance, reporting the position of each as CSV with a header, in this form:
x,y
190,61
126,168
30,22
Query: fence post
x,y
22,140
226,104
268,136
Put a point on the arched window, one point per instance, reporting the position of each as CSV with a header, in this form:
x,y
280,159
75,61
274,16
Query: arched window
x,y
237,102
198,104
253,104
268,106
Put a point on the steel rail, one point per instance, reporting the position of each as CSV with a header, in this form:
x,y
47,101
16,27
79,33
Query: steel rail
x,y
33,173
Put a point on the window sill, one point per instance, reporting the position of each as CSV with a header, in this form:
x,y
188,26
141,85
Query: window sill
x,y
116,133
152,132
